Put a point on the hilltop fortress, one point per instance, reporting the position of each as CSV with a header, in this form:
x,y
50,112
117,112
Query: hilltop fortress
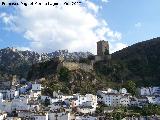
x,y
102,51
102,55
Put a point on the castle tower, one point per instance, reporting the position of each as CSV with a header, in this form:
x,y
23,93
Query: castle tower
x,y
102,48
15,80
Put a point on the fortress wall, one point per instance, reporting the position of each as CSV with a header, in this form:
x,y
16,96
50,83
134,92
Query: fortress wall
x,y
86,67
76,66
70,65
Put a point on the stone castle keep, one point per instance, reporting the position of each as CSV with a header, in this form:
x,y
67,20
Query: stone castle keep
x,y
102,48
102,51
102,54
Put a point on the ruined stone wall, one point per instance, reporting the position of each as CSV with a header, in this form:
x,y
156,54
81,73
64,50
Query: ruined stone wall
x,y
70,65
75,66
86,67
101,58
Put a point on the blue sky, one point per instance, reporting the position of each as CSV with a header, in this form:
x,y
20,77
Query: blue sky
x,y
124,15
128,22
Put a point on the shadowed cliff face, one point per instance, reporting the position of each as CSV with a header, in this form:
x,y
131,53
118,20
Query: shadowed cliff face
x,y
142,60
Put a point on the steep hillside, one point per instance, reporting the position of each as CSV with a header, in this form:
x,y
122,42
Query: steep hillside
x,y
13,61
17,62
65,80
142,61
139,63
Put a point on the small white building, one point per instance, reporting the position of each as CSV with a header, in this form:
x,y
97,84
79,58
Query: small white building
x,y
155,90
157,100
145,91
36,87
124,100
84,100
143,100
110,99
33,105
6,106
9,94
13,93
53,100
109,90
43,98
40,116
59,116
24,113
20,104
114,98
3,115
151,99
55,106
1,98
86,118
57,95
134,102
86,110
123,91
13,118
36,90
23,89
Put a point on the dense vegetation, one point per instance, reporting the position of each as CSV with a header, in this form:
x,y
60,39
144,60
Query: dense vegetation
x,y
69,82
120,112
141,62
42,69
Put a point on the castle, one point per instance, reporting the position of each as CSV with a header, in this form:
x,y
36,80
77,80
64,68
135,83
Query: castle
x,y
102,51
102,55
102,48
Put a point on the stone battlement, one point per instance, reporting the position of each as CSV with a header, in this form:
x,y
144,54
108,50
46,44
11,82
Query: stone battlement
x,y
75,66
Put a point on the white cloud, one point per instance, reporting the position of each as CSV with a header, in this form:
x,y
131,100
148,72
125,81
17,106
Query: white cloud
x,y
117,46
92,6
138,25
7,19
23,48
106,1
75,28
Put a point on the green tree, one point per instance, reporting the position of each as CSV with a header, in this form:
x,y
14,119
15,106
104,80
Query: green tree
x,y
131,87
117,116
151,110
47,102
84,60
64,74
